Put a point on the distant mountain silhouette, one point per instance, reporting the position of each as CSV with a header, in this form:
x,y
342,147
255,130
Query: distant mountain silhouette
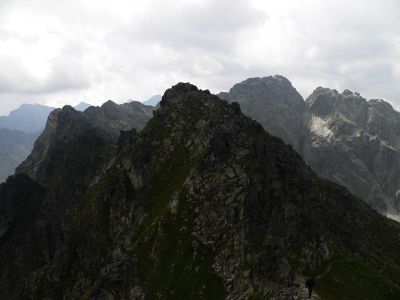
x,y
153,101
28,117
82,106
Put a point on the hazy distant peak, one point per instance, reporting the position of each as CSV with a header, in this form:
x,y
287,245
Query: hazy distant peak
x,y
153,101
28,117
82,106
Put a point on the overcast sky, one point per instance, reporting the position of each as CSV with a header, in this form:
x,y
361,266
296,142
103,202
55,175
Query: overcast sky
x,y
59,52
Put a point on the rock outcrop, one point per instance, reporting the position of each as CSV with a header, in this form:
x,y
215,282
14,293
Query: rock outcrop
x,y
204,204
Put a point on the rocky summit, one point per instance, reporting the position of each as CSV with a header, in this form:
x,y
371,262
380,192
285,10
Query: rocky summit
x,y
202,203
342,136
273,102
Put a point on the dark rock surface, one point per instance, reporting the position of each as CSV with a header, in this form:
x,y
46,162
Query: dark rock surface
x,y
204,204
23,241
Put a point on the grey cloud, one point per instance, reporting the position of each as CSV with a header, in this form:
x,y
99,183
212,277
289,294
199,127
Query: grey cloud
x,y
211,27
115,53
61,78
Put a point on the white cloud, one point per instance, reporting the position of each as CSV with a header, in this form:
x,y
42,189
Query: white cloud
x,y
58,52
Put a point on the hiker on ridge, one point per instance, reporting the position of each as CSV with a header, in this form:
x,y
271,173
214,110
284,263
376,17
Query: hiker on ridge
x,y
310,286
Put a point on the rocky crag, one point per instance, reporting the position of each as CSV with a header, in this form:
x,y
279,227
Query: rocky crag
x,y
200,204
342,136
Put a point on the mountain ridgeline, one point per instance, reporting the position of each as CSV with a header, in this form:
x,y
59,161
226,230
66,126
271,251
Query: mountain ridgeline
x,y
341,136
199,203
18,132
30,118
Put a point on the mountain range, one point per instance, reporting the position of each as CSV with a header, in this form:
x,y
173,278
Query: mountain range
x,y
192,200
18,132
341,136
29,118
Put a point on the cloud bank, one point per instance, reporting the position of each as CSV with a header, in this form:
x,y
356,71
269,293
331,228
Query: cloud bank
x,y
59,52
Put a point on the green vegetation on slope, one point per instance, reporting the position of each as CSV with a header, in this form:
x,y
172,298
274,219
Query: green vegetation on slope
x,y
353,279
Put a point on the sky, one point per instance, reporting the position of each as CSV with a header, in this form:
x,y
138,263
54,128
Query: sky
x,y
64,52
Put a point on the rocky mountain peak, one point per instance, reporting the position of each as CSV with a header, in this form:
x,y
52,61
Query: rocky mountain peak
x,y
176,94
325,103
109,104
347,92
276,83
271,95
